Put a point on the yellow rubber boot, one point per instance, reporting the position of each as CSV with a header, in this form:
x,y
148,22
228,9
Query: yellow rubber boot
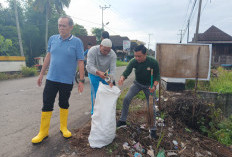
x,y
63,123
44,127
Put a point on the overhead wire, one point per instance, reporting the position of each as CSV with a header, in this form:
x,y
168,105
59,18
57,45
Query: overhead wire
x,y
186,13
189,19
114,10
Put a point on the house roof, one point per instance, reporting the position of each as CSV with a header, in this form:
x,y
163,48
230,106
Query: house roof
x,y
117,40
214,35
87,39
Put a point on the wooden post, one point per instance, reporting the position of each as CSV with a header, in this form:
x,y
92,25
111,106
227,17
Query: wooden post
x,y
196,81
160,55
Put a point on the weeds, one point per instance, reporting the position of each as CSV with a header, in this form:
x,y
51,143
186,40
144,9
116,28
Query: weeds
x,y
221,84
121,63
218,128
26,71
120,99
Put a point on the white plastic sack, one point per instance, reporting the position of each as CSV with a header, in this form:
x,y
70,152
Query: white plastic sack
x,y
103,124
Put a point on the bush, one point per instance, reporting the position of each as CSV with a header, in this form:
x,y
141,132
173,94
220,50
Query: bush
x,y
10,75
221,84
26,71
3,76
121,63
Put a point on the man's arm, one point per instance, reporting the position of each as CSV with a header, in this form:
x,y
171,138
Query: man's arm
x,y
126,73
113,67
44,67
90,62
156,77
81,71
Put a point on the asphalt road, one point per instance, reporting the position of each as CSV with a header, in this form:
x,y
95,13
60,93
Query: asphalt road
x,y
21,103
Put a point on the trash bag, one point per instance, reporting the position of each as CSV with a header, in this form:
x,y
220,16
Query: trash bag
x,y
103,124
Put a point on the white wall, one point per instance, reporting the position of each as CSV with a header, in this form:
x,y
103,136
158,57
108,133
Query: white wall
x,y
11,63
7,66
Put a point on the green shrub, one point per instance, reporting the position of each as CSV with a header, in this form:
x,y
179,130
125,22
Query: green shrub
x,y
141,95
27,71
3,76
120,99
221,84
121,63
10,75
190,84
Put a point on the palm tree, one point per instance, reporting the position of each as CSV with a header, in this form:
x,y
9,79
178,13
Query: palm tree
x,y
18,28
45,6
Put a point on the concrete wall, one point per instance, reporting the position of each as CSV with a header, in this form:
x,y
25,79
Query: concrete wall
x,y
11,63
224,101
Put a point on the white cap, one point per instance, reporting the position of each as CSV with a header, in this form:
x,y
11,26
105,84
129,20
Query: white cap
x,y
106,43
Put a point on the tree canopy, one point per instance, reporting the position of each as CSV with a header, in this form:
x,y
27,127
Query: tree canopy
x,y
32,25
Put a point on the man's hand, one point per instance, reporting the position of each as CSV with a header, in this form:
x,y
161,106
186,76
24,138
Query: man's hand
x,y
40,79
101,74
80,87
152,90
121,80
111,84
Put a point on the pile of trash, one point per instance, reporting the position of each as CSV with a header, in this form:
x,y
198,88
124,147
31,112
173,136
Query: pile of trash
x,y
175,139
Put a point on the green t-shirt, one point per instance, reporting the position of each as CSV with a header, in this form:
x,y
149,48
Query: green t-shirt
x,y
143,70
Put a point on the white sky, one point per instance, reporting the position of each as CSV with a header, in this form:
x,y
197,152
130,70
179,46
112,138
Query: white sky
x,y
163,19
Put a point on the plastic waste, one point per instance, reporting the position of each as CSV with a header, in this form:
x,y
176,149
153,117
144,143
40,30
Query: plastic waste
x,y
126,146
137,154
161,153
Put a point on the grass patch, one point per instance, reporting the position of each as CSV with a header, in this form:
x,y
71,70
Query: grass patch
x,y
120,99
121,63
27,71
141,95
11,75
218,128
221,84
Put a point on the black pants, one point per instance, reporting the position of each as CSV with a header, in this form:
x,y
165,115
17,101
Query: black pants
x,y
49,95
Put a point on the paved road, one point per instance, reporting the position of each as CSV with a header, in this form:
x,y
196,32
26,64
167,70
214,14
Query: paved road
x,y
21,103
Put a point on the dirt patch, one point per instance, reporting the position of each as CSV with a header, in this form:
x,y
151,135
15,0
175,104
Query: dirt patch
x,y
175,137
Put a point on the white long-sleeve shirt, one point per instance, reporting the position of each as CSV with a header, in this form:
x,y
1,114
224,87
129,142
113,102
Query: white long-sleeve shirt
x,y
97,61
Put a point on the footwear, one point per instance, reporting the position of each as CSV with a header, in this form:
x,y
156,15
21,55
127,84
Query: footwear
x,y
121,124
44,127
153,134
63,123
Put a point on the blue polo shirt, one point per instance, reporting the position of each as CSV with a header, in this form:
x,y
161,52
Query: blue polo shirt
x,y
64,57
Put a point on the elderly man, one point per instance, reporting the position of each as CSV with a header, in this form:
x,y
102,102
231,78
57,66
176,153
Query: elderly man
x,y
63,54
101,62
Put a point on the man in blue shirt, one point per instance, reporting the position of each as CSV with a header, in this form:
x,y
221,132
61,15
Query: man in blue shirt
x,y
63,54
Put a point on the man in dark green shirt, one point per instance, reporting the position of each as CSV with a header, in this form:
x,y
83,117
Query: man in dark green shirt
x,y
142,65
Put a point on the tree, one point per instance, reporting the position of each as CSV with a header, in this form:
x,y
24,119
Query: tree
x,y
97,32
4,46
79,30
18,28
45,6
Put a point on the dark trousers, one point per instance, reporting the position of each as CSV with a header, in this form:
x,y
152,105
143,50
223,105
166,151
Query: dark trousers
x,y
49,94
134,90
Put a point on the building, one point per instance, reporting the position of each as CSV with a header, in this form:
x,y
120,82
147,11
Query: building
x,y
87,39
221,45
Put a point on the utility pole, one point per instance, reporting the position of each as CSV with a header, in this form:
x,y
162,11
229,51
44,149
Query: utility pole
x,y
18,28
181,35
103,8
188,31
148,41
198,22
